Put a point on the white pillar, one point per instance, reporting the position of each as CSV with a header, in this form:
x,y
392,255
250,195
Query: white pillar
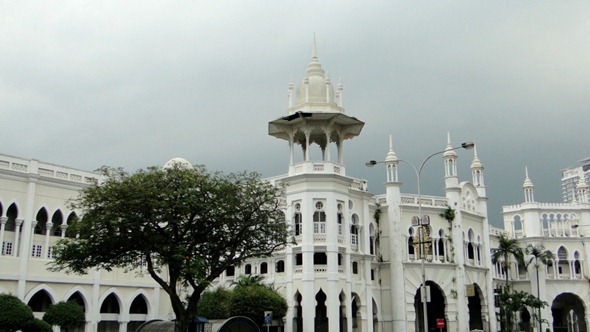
x,y
48,226
3,221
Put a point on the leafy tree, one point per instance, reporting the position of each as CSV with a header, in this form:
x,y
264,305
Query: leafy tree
x,y
507,249
214,304
192,222
65,315
538,255
14,314
37,325
250,298
515,301
253,300
249,280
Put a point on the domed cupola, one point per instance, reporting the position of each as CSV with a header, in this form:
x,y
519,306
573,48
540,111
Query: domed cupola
x,y
315,86
315,93
315,117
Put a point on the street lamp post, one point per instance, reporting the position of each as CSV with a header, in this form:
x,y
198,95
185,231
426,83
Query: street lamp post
x,y
423,220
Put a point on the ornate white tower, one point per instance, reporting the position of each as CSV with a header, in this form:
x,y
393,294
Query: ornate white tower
x,y
315,116
529,196
329,284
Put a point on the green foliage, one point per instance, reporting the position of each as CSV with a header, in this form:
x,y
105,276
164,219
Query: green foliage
x,y
214,304
512,302
538,254
37,325
506,249
14,314
252,301
65,315
249,280
448,214
192,222
377,214
250,298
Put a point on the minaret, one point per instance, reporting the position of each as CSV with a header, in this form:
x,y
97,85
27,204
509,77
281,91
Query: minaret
x,y
391,163
450,160
333,222
528,188
477,174
396,241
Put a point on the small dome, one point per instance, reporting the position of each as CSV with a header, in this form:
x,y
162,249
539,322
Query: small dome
x,y
319,88
177,162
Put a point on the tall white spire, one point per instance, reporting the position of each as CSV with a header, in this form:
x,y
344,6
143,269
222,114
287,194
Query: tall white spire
x,y
314,51
391,163
529,196
477,169
450,158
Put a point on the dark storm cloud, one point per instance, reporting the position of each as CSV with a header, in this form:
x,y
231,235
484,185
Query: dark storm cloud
x,y
136,83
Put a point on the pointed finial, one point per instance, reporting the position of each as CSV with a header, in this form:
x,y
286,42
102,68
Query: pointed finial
x,y
527,181
314,51
449,150
475,163
391,157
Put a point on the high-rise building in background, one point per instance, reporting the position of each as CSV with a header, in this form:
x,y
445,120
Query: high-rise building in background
x,y
570,180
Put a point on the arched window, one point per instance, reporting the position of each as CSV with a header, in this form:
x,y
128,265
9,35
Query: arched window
x,y
319,219
298,220
577,265
354,232
339,218
441,245
72,218
41,221
263,268
138,306
470,250
12,214
230,271
355,268
563,267
248,269
57,220
280,266
110,305
40,301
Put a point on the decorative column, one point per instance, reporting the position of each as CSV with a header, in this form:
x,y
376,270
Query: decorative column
x,y
48,226
3,221
16,249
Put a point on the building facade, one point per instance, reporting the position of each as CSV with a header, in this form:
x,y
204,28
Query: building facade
x,y
562,282
357,263
34,214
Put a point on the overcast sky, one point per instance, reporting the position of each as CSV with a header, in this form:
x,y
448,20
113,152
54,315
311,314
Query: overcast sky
x,y
136,83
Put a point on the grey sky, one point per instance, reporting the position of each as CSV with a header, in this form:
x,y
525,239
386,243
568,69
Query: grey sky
x,y
136,83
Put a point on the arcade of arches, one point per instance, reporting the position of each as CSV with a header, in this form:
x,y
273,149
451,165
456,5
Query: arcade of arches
x,y
110,310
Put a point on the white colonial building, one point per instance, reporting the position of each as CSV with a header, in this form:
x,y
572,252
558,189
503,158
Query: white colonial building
x,y
563,228
34,214
359,260
356,264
